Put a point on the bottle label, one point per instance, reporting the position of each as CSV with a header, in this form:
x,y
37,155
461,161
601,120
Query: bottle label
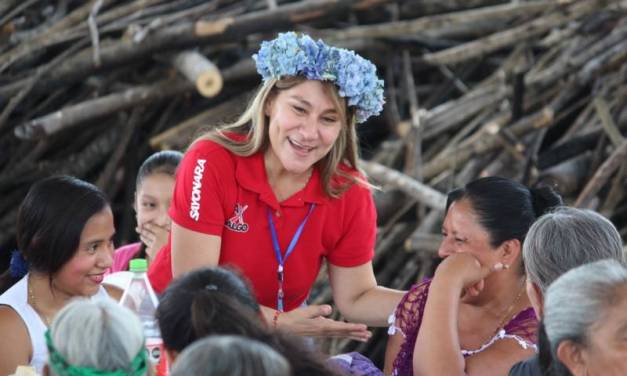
x,y
155,349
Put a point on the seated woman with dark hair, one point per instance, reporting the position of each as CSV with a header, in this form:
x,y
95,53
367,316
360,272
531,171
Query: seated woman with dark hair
x,y
65,232
585,322
473,317
215,301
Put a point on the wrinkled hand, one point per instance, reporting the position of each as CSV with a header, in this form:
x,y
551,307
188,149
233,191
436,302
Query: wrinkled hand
x,y
310,321
466,272
154,237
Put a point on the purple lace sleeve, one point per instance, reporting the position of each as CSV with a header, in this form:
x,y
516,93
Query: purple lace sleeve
x,y
524,326
408,319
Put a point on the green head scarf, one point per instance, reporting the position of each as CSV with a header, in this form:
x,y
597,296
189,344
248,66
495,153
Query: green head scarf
x,y
59,365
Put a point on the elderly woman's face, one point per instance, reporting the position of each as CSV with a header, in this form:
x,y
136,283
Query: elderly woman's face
x,y
606,352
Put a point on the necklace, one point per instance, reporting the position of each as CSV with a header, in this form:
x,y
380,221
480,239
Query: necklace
x,y
499,327
283,192
510,308
33,303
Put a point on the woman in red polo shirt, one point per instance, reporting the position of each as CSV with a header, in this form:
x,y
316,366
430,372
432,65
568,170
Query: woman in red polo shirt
x,y
278,192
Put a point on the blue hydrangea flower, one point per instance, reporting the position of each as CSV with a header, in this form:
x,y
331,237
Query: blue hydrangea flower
x,y
355,77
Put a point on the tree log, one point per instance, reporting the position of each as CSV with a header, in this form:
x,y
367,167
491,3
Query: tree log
x,y
611,164
91,109
200,71
568,63
421,192
568,177
482,143
179,136
526,31
437,26
188,34
610,128
424,242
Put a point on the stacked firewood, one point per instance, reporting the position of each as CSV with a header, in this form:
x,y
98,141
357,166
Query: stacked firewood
x,y
532,90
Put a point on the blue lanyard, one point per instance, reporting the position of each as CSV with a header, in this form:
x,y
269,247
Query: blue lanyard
x,y
277,251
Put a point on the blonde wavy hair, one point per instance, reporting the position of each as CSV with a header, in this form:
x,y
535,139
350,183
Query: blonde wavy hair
x,y
253,125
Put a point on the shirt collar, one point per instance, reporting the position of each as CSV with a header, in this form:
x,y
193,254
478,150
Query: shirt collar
x,y
250,173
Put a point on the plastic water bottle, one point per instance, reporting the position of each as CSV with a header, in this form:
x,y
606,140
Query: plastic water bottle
x,y
140,298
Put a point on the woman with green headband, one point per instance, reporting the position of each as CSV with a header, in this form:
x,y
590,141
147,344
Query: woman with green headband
x,y
96,338
279,192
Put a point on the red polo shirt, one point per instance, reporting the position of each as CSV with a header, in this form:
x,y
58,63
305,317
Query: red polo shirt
x,y
219,193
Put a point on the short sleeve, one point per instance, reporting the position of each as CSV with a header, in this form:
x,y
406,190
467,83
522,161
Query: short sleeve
x,y
523,327
359,227
409,311
199,188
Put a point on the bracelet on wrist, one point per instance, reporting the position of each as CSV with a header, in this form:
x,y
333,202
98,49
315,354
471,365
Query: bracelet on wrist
x,y
275,318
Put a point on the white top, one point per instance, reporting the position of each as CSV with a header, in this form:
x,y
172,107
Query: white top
x,y
120,279
17,298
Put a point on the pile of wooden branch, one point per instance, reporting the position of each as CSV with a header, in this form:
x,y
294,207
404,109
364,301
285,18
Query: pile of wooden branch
x,y
532,90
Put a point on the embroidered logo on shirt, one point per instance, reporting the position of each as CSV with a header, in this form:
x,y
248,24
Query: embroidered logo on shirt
x,y
236,222
194,212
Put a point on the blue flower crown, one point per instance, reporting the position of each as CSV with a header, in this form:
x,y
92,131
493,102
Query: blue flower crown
x,y
355,77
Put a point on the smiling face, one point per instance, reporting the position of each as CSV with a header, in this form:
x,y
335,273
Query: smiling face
x,y
152,199
84,272
304,123
462,233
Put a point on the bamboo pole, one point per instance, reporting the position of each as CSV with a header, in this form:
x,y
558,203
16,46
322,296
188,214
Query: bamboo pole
x,y
421,192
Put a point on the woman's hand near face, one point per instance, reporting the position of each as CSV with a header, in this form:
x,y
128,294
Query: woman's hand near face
x,y
464,271
154,237
436,351
311,321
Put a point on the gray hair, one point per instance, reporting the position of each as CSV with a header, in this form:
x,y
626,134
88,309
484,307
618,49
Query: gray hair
x,y
99,334
566,238
230,355
579,299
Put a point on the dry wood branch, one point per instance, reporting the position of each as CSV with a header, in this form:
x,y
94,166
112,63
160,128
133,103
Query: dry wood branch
x,y
452,114
180,135
41,71
568,177
611,164
421,192
67,31
78,15
94,108
616,193
482,142
607,122
15,11
200,71
424,242
413,156
438,26
105,178
528,30
612,58
568,63
93,31
188,34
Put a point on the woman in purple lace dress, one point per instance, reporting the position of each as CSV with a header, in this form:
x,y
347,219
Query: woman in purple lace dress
x,y
474,316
